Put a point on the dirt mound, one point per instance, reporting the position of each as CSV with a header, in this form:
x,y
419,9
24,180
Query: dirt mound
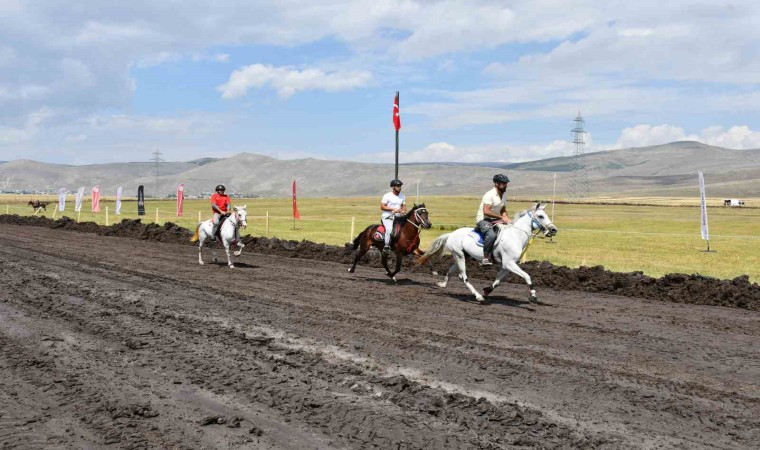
x,y
677,288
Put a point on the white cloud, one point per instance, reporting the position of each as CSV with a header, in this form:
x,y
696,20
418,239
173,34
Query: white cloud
x,y
287,81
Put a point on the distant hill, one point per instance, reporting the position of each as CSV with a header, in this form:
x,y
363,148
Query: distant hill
x,y
663,170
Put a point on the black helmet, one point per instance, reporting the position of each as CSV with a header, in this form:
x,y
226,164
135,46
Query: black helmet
x,y
500,178
220,187
396,183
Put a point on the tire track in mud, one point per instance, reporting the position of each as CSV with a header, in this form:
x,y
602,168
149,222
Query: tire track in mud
x,y
398,331
348,400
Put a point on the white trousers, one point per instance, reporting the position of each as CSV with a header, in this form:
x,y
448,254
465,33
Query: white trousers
x,y
388,224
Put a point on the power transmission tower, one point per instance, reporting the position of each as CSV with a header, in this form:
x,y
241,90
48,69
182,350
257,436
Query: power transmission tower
x,y
579,180
157,159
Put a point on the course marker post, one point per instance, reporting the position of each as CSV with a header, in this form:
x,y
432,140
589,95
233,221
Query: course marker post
x,y
106,215
199,216
55,212
351,235
79,213
156,216
266,234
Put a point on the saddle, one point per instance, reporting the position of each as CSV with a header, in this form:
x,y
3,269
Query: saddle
x,y
379,234
478,236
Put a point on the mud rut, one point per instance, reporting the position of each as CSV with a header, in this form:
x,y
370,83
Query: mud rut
x,y
112,341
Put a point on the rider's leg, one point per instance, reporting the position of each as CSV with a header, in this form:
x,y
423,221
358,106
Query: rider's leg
x,y
489,238
388,224
215,228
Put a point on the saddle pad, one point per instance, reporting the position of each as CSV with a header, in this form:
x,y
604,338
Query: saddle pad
x,y
476,236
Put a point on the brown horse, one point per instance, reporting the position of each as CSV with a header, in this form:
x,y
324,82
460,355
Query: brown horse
x,y
37,205
406,240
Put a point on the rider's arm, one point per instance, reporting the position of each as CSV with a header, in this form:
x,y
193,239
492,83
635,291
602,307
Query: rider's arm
x,y
504,216
385,207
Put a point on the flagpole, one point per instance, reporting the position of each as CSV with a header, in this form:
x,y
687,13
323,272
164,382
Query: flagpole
x,y
398,101
554,193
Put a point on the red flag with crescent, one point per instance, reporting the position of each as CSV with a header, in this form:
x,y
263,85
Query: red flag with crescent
x,y
296,215
396,114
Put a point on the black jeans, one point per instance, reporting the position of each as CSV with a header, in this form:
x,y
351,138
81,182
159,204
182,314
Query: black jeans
x,y
486,228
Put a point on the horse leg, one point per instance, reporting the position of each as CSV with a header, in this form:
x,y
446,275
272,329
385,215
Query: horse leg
x,y
418,252
452,270
513,267
398,267
240,249
227,251
363,248
384,261
200,248
460,262
503,272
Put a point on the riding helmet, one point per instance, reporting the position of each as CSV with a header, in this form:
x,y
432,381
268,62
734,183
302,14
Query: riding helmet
x,y
500,178
396,183
220,188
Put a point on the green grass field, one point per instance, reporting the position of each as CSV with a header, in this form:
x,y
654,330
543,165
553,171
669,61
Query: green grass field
x,y
653,239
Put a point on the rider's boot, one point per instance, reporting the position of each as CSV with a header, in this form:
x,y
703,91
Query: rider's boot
x,y
213,234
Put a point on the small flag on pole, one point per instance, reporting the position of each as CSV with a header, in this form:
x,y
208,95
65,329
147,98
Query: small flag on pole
x,y
78,199
61,199
96,199
296,215
119,191
180,199
703,204
396,114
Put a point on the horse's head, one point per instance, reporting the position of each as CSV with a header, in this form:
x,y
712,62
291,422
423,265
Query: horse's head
x,y
30,203
420,213
540,220
241,214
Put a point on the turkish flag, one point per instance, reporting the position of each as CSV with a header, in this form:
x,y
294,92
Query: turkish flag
x,y
396,114
296,215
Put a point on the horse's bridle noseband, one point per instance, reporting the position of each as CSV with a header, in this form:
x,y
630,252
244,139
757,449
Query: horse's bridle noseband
x,y
417,216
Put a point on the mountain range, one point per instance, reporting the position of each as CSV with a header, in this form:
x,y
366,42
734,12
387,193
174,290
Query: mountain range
x,y
664,170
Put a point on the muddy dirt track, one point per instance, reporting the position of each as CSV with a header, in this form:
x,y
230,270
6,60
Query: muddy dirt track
x,y
117,342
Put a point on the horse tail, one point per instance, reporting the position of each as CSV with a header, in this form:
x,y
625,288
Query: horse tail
x,y
435,250
196,236
358,240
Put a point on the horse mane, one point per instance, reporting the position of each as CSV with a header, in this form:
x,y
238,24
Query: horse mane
x,y
520,214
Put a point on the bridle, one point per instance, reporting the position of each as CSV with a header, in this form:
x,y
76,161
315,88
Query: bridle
x,y
417,218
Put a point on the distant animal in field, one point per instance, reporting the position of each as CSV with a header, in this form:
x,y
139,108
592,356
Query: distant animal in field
x,y
38,205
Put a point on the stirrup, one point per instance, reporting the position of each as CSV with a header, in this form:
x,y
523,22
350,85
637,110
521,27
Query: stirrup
x,y
486,262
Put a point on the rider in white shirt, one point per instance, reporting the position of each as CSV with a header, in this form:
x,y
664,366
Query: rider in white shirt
x,y
393,202
493,208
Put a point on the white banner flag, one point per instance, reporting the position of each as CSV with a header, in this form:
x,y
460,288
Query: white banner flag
x,y
118,200
78,199
705,234
62,199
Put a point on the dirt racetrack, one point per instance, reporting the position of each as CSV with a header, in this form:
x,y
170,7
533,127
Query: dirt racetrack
x,y
121,340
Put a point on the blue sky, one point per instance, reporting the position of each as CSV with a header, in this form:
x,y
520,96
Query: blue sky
x,y
100,81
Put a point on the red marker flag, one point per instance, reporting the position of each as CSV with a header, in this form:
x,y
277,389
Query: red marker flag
x,y
396,114
96,199
296,215
180,199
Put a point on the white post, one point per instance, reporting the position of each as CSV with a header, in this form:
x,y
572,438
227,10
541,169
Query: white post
x,y
199,216
79,213
266,233
55,212
351,236
156,216
418,192
106,215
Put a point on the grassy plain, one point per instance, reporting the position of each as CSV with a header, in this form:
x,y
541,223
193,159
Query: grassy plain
x,y
651,238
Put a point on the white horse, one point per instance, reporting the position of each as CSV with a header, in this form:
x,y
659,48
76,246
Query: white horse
x,y
509,247
230,233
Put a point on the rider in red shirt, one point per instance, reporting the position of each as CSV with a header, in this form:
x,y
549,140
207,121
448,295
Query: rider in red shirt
x,y
220,204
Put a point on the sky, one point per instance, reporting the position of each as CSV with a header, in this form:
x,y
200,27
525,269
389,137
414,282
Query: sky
x,y
85,82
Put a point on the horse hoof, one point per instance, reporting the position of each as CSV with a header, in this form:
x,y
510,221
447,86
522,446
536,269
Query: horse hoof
x,y
441,284
487,290
350,270
232,266
480,298
434,273
200,262
533,299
